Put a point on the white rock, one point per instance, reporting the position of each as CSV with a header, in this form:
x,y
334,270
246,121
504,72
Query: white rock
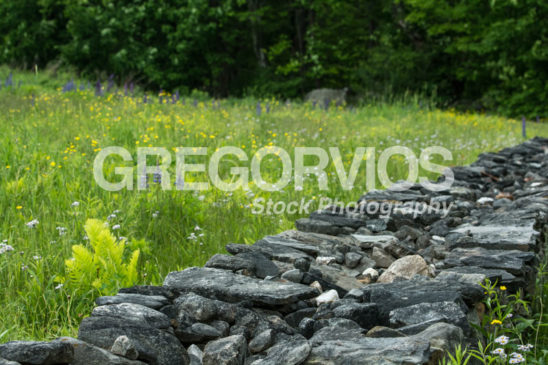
x,y
484,200
406,268
371,273
325,260
317,285
438,238
327,297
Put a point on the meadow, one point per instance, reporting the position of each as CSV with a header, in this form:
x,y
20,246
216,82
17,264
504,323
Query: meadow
x,y
49,138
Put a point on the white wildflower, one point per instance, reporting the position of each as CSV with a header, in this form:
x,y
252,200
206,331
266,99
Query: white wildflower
x,y
75,204
33,223
115,227
503,340
5,248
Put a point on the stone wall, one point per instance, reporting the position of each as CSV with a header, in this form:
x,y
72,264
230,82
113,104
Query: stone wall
x,y
346,287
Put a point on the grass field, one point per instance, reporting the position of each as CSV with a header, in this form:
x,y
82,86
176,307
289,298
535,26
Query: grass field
x,y
49,140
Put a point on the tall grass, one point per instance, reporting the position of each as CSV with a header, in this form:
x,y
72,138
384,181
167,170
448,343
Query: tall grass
x,y
49,140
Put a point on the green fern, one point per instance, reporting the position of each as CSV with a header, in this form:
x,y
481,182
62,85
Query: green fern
x,y
102,267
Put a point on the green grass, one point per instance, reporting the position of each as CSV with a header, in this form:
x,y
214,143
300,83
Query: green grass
x,y
47,153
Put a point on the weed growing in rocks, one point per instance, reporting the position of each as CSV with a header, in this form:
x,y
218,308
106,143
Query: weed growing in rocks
x,y
510,332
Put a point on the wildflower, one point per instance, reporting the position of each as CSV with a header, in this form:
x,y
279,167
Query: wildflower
x,y
24,267
33,223
59,286
155,214
115,227
525,347
516,358
503,340
192,237
61,230
509,315
495,321
112,216
498,351
503,288
19,207
197,228
75,204
37,257
5,248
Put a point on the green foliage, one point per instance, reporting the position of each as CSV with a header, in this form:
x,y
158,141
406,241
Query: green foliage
x,y
508,332
489,55
103,267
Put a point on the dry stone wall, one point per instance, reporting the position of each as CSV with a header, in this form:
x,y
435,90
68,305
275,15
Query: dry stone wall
x,y
349,286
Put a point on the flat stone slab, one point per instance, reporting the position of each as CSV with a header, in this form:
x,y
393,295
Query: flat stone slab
x,y
490,236
514,261
386,351
230,287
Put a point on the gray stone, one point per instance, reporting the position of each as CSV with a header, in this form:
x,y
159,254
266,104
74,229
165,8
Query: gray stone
x,y
340,219
381,241
376,225
294,318
317,226
381,258
382,351
196,333
231,287
262,341
352,259
499,237
148,290
364,314
443,338
263,266
222,326
195,354
513,261
8,362
284,250
151,301
86,354
294,275
406,293
342,323
336,333
198,307
225,351
228,262
289,352
37,353
448,312
154,346
123,346
134,312
302,264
